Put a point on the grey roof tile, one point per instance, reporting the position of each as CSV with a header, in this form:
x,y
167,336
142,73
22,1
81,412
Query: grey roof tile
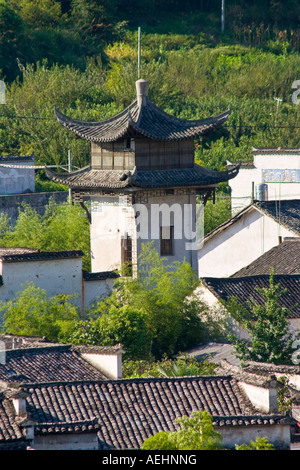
x,y
283,258
148,121
47,363
127,412
244,288
88,178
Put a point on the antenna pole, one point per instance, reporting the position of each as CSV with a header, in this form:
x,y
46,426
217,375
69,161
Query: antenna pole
x,y
70,169
223,16
139,52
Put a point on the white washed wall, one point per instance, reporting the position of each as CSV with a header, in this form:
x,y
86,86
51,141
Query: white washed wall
x,y
63,276
239,245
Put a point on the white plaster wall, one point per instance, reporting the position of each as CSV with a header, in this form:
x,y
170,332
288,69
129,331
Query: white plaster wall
x,y
218,312
112,221
17,180
239,245
278,435
109,364
109,224
182,217
63,276
94,290
67,441
262,398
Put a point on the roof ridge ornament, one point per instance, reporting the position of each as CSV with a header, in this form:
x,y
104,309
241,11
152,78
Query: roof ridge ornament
x,y
141,92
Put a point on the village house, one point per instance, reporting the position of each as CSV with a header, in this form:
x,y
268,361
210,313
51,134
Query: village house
x,y
246,236
122,414
38,360
56,272
283,260
14,178
216,292
273,174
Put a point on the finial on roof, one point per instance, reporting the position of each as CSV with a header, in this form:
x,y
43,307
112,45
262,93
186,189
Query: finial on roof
x,y
141,91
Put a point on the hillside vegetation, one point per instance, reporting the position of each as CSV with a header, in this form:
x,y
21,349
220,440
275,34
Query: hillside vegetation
x,y
81,57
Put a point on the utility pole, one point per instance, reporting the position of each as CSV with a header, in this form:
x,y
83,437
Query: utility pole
x,y
139,52
279,100
223,16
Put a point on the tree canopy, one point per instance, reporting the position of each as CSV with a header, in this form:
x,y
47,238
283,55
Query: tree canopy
x,y
32,313
153,314
268,326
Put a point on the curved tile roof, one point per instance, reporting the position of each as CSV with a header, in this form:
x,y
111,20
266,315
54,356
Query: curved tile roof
x,y
88,178
126,412
49,363
143,118
245,288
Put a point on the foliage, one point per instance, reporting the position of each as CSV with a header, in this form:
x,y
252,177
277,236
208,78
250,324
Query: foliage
x,y
216,214
195,432
125,325
61,227
267,325
32,313
284,400
158,306
167,367
260,443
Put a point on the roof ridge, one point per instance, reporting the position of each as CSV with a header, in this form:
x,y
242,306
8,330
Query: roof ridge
x,y
108,382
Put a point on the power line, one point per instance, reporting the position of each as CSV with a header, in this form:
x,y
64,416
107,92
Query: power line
x,y
233,126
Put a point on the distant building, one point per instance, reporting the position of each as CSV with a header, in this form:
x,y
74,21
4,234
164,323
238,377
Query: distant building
x,y
274,174
121,414
16,176
215,290
57,272
246,236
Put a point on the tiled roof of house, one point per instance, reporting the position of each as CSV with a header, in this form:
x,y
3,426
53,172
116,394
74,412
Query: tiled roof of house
x,y
88,178
283,258
244,288
126,412
10,430
48,363
276,150
142,118
22,341
100,275
13,255
286,212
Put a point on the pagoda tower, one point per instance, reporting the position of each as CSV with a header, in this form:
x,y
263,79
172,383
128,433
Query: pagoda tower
x,y
142,183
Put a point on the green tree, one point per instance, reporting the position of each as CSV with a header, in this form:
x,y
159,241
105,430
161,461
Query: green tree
x,y
167,367
32,313
260,443
152,314
39,13
61,227
166,296
268,326
196,432
11,35
125,325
